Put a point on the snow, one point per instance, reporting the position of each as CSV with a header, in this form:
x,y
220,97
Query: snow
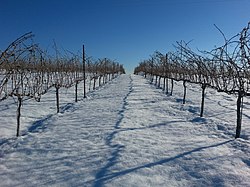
x,y
126,133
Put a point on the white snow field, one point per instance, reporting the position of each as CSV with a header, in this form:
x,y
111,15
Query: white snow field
x,y
127,133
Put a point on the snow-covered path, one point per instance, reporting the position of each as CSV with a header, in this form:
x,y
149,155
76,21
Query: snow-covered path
x,y
125,134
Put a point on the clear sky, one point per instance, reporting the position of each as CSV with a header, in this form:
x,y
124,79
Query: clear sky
x,y
127,31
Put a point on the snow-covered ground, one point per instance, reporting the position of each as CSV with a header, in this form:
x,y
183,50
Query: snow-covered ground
x,y
127,133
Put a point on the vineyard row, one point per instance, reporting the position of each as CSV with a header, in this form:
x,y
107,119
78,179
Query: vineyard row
x,y
225,69
27,71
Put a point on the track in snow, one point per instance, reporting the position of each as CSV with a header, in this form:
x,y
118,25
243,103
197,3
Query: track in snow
x,y
126,134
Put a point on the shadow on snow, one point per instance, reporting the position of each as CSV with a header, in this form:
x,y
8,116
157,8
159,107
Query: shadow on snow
x,y
102,175
118,148
36,127
101,178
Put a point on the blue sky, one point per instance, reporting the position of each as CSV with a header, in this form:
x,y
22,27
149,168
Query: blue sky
x,y
127,31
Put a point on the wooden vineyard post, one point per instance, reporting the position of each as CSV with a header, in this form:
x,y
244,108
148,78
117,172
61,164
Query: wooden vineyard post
x,y
84,72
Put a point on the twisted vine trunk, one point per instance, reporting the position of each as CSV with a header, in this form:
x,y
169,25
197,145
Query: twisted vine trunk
x,y
239,114
57,99
76,88
94,83
172,86
18,115
159,82
166,85
100,79
185,91
203,87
